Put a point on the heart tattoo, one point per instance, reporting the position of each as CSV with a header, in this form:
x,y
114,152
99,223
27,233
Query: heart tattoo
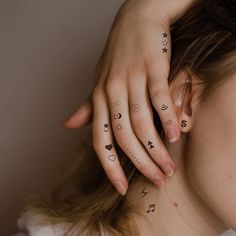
x,y
109,147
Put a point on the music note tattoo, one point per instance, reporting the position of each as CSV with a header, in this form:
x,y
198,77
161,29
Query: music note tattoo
x,y
152,208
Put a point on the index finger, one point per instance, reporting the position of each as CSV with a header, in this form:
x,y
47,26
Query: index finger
x,y
161,100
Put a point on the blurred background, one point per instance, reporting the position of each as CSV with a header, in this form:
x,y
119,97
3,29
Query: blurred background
x,y
48,53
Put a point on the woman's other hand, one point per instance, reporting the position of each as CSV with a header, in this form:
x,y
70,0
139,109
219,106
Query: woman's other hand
x,y
132,74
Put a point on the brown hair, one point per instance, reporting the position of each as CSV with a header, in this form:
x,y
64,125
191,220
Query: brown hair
x,y
203,40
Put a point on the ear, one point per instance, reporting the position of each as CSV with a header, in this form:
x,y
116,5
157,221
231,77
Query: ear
x,y
183,94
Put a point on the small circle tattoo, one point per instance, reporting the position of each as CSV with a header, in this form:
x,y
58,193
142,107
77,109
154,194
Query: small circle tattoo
x,y
119,126
135,107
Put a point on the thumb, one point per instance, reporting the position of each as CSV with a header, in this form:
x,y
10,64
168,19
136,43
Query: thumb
x,y
82,117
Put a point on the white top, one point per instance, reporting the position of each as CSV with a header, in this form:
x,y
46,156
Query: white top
x,y
31,223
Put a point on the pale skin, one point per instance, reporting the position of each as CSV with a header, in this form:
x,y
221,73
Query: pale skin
x,y
131,76
200,198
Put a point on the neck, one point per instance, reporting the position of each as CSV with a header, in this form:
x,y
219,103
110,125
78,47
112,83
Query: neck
x,y
175,209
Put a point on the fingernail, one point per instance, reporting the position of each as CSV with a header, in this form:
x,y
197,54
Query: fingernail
x,y
120,187
169,170
159,181
172,134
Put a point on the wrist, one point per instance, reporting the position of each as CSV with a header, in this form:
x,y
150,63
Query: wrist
x,y
164,11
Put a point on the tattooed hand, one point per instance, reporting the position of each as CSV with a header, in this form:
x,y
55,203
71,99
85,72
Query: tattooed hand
x,y
133,67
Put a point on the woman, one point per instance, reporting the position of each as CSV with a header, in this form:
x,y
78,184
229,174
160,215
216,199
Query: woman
x,y
133,69
200,198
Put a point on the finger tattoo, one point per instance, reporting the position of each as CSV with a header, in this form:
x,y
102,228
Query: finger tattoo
x,y
106,127
119,126
164,107
109,147
117,116
165,35
133,156
150,144
164,42
135,107
112,157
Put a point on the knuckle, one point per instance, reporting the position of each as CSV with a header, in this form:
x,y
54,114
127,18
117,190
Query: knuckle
x,y
159,93
112,85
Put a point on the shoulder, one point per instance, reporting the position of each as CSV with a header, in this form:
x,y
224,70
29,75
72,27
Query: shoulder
x,y
35,225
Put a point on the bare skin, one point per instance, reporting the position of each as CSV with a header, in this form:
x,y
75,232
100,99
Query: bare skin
x,y
200,198
131,77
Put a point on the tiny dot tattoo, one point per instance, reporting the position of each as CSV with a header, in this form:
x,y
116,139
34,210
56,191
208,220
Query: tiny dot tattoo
x,y
119,126
109,147
135,107
183,123
150,144
164,107
106,127
152,208
164,42
112,157
117,116
144,193
133,156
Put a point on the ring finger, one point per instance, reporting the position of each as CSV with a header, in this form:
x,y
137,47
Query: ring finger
x,y
143,124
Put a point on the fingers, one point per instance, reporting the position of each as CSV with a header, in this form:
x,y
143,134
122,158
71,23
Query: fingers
x,y
125,136
143,124
81,117
161,99
103,143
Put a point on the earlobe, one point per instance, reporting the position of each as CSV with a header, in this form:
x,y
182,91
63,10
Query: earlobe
x,y
185,123
181,90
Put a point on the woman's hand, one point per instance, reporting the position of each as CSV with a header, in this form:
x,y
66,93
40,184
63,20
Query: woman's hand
x,y
132,74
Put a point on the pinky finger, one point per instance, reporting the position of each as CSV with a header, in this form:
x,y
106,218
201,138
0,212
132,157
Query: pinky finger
x,y
103,144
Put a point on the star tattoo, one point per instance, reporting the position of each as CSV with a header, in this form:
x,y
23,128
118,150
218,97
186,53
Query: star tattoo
x,y
165,35
164,50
